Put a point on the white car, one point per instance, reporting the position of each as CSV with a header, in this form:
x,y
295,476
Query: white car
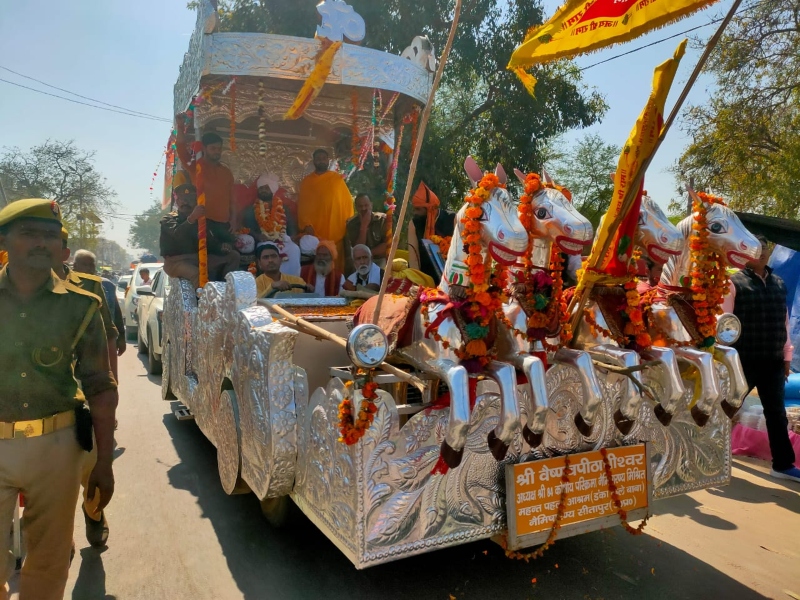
x,y
132,297
122,287
150,310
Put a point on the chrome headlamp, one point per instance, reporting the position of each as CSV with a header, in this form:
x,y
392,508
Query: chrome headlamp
x,y
367,346
729,328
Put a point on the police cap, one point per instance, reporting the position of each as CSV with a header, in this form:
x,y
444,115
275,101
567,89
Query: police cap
x,y
30,208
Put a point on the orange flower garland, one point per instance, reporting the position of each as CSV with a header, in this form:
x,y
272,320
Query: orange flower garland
x,y
472,232
551,538
351,430
635,328
443,243
709,280
273,221
612,487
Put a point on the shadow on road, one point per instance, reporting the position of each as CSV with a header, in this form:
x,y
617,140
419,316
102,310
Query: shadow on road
x,y
299,562
91,582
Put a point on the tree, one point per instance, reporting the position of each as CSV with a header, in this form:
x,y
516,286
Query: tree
x,y
111,254
146,229
481,108
59,171
585,169
744,140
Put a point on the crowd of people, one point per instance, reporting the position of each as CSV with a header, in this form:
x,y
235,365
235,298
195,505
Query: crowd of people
x,y
328,243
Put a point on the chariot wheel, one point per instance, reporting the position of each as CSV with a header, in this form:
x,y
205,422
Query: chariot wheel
x,y
227,440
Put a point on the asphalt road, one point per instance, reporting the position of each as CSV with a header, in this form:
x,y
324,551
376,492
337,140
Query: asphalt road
x,y
176,535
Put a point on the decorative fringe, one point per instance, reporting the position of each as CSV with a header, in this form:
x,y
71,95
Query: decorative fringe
x,y
528,80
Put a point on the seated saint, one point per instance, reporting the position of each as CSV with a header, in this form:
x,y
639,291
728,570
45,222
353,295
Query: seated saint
x,y
322,274
179,238
266,221
367,228
367,275
268,261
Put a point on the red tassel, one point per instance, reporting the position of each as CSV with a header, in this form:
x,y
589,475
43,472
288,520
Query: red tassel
x,y
440,468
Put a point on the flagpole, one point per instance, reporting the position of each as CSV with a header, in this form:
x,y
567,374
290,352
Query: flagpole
x,y
423,123
579,299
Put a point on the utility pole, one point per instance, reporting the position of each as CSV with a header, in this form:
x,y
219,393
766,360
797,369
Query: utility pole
x,y
689,201
3,197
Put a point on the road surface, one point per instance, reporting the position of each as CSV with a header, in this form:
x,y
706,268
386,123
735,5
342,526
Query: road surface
x,y
175,535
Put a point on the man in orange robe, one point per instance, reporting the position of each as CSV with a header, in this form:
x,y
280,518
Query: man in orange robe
x,y
324,205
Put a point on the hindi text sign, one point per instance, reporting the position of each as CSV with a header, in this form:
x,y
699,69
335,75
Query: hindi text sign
x,y
534,492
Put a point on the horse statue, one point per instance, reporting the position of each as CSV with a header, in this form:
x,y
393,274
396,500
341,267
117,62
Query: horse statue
x,y
439,333
553,222
674,316
601,330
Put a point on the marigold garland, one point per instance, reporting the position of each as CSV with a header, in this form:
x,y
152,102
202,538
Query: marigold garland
x,y
633,311
709,279
351,430
443,243
551,538
612,487
271,221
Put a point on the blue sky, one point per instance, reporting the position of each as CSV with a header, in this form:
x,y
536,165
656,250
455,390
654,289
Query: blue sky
x,y
128,54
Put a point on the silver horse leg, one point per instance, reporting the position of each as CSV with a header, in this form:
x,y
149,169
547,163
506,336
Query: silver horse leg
x,y
626,414
533,431
457,380
668,406
739,388
500,437
592,392
709,382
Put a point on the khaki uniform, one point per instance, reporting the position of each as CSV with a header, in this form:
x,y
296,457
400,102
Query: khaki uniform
x,y
46,342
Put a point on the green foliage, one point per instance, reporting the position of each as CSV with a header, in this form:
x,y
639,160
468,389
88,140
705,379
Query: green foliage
x,y
584,169
59,171
481,108
744,140
146,229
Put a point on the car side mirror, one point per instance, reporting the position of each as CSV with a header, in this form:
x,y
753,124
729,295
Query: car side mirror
x,y
145,290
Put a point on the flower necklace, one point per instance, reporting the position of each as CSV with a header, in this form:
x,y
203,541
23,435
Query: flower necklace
x,y
351,430
632,312
612,487
709,280
272,221
443,243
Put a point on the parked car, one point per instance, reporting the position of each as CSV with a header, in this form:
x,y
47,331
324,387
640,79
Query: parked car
x,y
150,311
122,287
132,297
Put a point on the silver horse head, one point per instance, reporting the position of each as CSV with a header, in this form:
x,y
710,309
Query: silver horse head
x,y
726,236
556,220
656,234
502,233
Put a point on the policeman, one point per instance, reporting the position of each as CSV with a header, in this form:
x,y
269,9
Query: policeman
x,y
97,529
50,334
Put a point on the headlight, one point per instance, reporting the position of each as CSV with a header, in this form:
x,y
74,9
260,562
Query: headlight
x,y
729,328
367,346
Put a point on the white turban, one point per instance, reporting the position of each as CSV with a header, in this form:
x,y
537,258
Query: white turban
x,y
269,179
308,245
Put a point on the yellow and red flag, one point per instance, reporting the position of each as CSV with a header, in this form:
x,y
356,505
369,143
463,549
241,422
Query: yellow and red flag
x,y
640,145
582,26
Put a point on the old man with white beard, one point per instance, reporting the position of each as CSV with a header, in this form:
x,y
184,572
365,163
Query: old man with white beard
x,y
367,275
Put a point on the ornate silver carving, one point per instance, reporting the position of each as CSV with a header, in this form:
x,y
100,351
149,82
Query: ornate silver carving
x,y
378,501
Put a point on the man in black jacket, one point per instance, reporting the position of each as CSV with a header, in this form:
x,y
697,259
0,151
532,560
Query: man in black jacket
x,y
759,300
179,239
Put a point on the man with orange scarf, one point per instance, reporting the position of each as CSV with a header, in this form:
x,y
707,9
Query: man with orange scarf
x,y
322,275
427,220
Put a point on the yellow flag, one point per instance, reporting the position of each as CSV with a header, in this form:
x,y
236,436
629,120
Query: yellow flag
x,y
585,25
640,145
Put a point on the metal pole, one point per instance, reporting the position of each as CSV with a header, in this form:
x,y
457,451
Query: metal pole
x,y
423,123
3,197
